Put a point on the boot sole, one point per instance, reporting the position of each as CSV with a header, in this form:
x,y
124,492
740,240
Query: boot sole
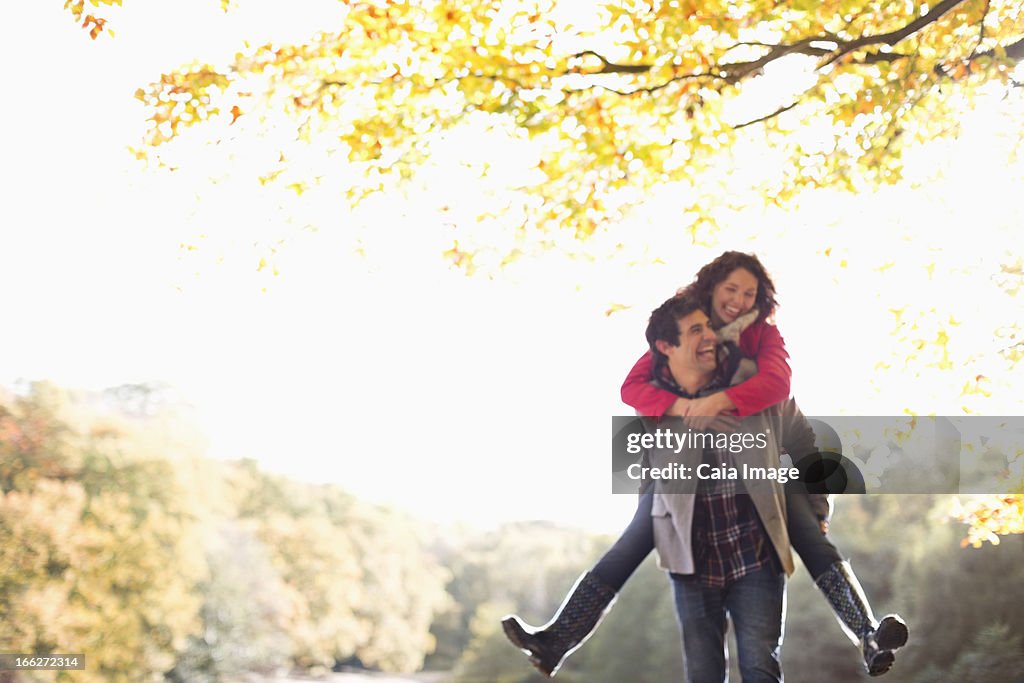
x,y
881,663
891,634
515,633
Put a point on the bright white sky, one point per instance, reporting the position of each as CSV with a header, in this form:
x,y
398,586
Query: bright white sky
x,y
384,370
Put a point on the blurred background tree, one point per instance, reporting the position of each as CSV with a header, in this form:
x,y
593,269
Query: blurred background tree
x,y
105,549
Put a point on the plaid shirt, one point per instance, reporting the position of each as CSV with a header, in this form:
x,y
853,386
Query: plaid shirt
x,y
729,541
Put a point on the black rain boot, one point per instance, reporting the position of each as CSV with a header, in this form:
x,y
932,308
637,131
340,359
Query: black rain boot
x,y
576,619
877,640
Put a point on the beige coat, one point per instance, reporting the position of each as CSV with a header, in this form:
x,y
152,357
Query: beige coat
x,y
784,428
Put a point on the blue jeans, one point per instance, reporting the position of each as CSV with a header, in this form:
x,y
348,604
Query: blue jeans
x,y
756,603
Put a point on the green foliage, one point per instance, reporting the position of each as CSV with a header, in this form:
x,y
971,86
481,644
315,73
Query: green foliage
x,y
996,655
114,549
243,613
86,567
908,559
358,582
490,658
528,565
643,624
957,593
108,549
815,647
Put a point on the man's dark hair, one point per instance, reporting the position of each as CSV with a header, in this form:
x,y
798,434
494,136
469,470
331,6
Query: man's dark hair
x,y
664,323
718,270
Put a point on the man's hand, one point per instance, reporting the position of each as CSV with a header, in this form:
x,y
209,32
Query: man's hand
x,y
824,526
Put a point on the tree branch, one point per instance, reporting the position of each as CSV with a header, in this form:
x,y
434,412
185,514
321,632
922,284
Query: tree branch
x,y
981,29
896,36
766,117
1014,51
734,72
608,67
646,90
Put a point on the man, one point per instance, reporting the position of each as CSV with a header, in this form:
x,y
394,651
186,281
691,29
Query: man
x,y
723,540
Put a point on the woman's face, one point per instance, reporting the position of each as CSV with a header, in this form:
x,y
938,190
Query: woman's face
x,y
733,296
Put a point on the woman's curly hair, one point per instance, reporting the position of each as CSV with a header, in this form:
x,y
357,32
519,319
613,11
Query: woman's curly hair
x,y
708,277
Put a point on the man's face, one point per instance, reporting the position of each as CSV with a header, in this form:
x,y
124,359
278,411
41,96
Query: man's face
x,y
696,349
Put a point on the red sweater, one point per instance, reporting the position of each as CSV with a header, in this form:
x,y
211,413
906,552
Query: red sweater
x,y
761,341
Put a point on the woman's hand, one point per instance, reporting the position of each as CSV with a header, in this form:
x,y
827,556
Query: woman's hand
x,y
709,406
710,412
707,412
679,408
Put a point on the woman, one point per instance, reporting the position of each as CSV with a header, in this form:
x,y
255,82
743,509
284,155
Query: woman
x,y
734,285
